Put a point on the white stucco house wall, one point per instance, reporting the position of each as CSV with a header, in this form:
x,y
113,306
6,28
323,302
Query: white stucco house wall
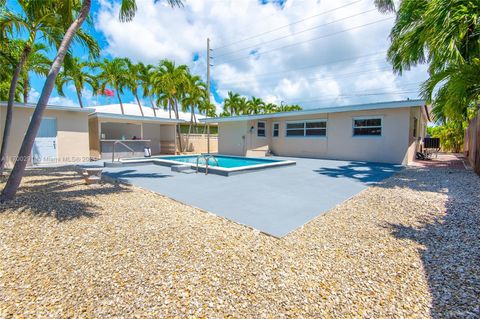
x,y
387,132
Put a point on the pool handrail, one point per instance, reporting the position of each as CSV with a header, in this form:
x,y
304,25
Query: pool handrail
x,y
207,158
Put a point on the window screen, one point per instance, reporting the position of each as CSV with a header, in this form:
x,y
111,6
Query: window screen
x,y
367,127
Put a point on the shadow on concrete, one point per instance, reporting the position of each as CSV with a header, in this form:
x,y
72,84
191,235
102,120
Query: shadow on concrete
x,y
362,171
131,173
59,193
451,253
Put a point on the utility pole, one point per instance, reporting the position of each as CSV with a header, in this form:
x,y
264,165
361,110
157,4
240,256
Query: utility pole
x,y
208,93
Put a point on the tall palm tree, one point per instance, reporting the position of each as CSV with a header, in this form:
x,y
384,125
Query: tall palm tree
x,y
196,95
459,93
72,22
36,18
443,33
113,72
38,63
231,103
255,106
133,81
169,83
270,108
144,76
9,51
76,71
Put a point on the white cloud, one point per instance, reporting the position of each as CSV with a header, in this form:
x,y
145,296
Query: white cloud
x,y
298,67
63,101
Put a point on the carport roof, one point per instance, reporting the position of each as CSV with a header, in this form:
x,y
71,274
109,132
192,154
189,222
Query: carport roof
x,y
149,119
336,109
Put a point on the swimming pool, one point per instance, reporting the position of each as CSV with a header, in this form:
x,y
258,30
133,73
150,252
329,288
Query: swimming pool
x,y
217,164
221,160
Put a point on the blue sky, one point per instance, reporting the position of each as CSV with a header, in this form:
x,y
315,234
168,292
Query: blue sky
x,y
312,53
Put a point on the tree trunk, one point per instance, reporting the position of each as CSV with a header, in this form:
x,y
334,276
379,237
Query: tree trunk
x,y
120,100
179,131
11,101
26,86
153,107
16,176
79,97
189,131
139,105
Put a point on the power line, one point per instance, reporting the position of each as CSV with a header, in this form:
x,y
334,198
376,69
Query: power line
x,y
296,33
315,77
313,39
320,64
287,25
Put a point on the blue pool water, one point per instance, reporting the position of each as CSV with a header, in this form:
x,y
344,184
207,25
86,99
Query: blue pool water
x,y
221,160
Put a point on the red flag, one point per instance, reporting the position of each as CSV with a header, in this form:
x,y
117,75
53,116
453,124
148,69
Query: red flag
x,y
108,92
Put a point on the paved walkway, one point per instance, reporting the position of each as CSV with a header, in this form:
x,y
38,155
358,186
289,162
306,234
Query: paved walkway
x,y
444,160
275,201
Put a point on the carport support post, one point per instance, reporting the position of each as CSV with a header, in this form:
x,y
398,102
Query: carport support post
x,y
175,138
208,138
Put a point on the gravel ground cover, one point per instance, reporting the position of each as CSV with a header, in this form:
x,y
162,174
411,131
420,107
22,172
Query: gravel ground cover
x,y
406,248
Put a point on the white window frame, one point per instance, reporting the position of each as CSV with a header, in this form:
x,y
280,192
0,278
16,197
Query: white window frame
x,y
305,128
369,117
273,129
264,129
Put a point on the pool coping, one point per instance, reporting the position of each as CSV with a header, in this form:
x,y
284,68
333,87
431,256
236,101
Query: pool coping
x,y
211,169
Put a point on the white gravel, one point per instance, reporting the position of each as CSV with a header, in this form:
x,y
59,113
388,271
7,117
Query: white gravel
x,y
408,248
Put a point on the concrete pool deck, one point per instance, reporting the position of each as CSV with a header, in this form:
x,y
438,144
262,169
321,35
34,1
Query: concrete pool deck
x,y
275,201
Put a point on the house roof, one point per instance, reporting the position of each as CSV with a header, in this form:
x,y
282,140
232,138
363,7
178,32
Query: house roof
x,y
49,107
135,118
336,109
131,109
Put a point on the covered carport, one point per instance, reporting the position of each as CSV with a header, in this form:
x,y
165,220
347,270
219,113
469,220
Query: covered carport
x,y
118,136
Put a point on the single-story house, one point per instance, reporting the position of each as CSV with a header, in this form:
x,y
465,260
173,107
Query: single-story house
x,y
387,132
63,134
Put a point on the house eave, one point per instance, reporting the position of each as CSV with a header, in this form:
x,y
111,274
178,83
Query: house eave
x,y
336,109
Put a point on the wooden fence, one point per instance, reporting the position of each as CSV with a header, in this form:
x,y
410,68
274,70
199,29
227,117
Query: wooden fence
x,y
197,143
472,143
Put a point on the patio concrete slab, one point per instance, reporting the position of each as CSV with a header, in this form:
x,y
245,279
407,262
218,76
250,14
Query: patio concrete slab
x,y
275,201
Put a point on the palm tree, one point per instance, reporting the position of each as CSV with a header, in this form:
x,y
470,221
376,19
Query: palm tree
x,y
443,34
144,76
9,51
38,63
288,108
132,80
459,93
195,96
72,22
270,108
231,104
114,73
46,18
169,83
255,106
75,71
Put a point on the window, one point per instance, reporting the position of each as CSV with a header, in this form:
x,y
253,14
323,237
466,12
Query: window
x,y
261,129
275,129
367,127
307,128
316,128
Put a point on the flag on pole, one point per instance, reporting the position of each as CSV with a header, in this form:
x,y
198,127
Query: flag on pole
x,y
106,92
